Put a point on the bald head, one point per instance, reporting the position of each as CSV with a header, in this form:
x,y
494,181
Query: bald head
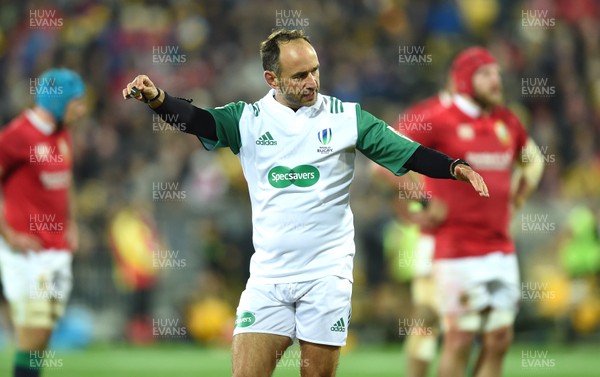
x,y
297,57
270,48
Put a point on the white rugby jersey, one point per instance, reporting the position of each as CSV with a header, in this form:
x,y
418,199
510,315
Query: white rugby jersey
x,y
299,166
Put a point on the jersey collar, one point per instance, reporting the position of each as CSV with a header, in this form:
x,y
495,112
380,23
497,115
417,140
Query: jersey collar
x,y
316,108
37,122
311,111
466,106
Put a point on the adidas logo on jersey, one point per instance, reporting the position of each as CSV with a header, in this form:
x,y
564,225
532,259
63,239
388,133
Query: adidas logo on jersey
x,y
266,139
339,326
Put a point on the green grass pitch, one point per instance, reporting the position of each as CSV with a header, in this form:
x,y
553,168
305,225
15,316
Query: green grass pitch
x,y
189,360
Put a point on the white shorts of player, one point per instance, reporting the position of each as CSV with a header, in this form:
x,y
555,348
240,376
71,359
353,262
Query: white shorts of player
x,y
37,285
466,286
316,311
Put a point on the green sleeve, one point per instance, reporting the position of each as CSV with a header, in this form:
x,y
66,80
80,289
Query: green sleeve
x,y
227,119
382,144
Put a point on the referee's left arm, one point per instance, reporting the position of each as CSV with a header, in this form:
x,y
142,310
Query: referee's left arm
x,y
399,154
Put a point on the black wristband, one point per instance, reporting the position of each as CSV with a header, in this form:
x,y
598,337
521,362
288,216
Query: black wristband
x,y
429,162
453,165
146,100
190,119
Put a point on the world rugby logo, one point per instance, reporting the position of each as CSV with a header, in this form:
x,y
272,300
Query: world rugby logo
x,y
325,136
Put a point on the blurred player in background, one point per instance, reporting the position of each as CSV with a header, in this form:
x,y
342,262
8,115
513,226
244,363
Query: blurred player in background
x,y
6,327
37,222
297,151
475,268
417,207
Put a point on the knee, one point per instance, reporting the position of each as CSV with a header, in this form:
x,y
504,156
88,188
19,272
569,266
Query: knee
x,y
32,338
498,341
458,341
427,316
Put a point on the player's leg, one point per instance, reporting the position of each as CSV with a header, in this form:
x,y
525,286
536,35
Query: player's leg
x,y
5,320
457,343
31,345
495,345
256,354
421,341
264,329
462,295
318,360
37,286
498,322
323,313
32,338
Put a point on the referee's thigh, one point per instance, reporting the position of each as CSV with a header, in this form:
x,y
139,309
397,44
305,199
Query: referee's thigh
x,y
318,359
256,354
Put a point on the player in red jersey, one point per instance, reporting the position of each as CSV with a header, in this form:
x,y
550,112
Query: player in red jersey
x,y
37,227
474,269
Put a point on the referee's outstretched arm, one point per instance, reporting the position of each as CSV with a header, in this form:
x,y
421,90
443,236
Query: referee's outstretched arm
x,y
201,123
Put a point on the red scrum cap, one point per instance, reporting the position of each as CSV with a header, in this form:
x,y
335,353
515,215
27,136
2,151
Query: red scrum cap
x,y
465,65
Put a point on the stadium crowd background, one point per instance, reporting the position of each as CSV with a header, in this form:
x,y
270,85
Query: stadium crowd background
x,y
165,226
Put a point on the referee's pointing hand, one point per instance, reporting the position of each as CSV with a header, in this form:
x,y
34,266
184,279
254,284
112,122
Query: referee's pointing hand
x,y
143,89
465,173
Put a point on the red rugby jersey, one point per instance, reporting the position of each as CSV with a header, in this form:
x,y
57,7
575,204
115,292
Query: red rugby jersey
x,y
415,121
491,143
36,165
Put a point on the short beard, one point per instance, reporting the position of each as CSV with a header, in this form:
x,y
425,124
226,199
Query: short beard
x,y
294,99
486,103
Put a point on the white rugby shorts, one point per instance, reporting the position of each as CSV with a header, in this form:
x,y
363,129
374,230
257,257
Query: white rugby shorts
x,y
466,286
37,285
316,311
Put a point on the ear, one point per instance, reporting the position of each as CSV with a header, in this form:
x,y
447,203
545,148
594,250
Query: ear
x,y
271,79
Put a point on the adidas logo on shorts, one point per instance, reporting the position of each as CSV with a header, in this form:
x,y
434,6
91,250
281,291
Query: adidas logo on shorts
x,y
339,326
266,139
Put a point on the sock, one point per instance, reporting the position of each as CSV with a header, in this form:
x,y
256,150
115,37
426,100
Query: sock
x,y
28,364
422,347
